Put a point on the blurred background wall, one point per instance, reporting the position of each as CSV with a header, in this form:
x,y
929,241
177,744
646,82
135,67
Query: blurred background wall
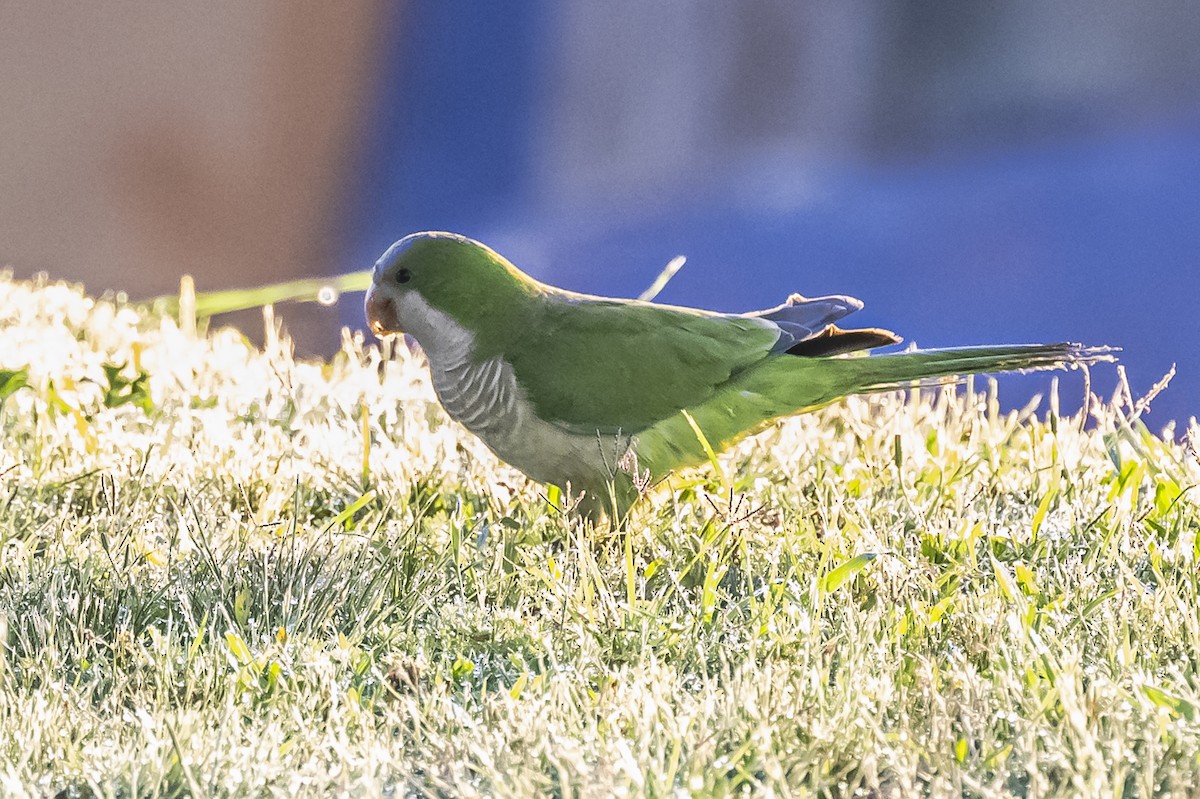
x,y
1006,172
139,141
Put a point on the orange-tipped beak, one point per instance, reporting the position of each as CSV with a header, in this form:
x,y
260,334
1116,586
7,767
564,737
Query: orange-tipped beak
x,y
381,313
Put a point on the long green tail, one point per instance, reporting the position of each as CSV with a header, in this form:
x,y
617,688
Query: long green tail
x,y
842,376
787,385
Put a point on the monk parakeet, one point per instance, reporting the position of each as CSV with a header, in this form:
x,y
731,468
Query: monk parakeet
x,y
600,395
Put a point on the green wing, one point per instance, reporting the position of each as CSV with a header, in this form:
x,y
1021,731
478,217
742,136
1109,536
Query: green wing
x,y
608,365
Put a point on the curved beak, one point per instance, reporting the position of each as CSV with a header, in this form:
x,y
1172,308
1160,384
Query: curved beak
x,y
381,313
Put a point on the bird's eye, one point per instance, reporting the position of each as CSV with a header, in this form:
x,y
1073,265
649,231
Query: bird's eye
x,y
403,276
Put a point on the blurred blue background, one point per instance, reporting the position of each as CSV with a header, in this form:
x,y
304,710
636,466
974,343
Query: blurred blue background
x,y
994,173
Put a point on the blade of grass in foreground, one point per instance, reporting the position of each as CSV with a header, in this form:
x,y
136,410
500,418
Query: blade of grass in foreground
x,y
325,290
836,578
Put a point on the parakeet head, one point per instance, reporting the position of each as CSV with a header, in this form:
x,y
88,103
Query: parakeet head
x,y
429,276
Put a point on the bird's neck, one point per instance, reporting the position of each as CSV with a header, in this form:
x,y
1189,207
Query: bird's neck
x,y
446,342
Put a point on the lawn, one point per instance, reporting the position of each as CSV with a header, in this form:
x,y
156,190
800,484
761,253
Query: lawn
x,y
228,572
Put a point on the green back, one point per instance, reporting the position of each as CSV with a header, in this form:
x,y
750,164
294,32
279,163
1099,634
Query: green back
x,y
591,364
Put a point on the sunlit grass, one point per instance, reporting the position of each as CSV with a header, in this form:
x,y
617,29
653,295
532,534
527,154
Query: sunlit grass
x,y
224,571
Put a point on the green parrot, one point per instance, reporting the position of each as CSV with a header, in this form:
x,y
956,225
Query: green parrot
x,y
603,397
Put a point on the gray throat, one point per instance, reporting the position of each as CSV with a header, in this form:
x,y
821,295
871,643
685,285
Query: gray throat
x,y
482,396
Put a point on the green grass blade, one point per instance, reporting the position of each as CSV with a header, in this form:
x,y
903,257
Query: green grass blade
x,y
836,578
709,452
326,291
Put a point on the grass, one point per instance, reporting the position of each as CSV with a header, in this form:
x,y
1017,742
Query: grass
x,y
226,572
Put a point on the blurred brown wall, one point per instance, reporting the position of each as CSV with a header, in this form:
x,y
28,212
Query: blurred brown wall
x,y
139,141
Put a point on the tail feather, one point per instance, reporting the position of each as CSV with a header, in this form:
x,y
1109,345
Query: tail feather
x,y
787,385
833,340
891,372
